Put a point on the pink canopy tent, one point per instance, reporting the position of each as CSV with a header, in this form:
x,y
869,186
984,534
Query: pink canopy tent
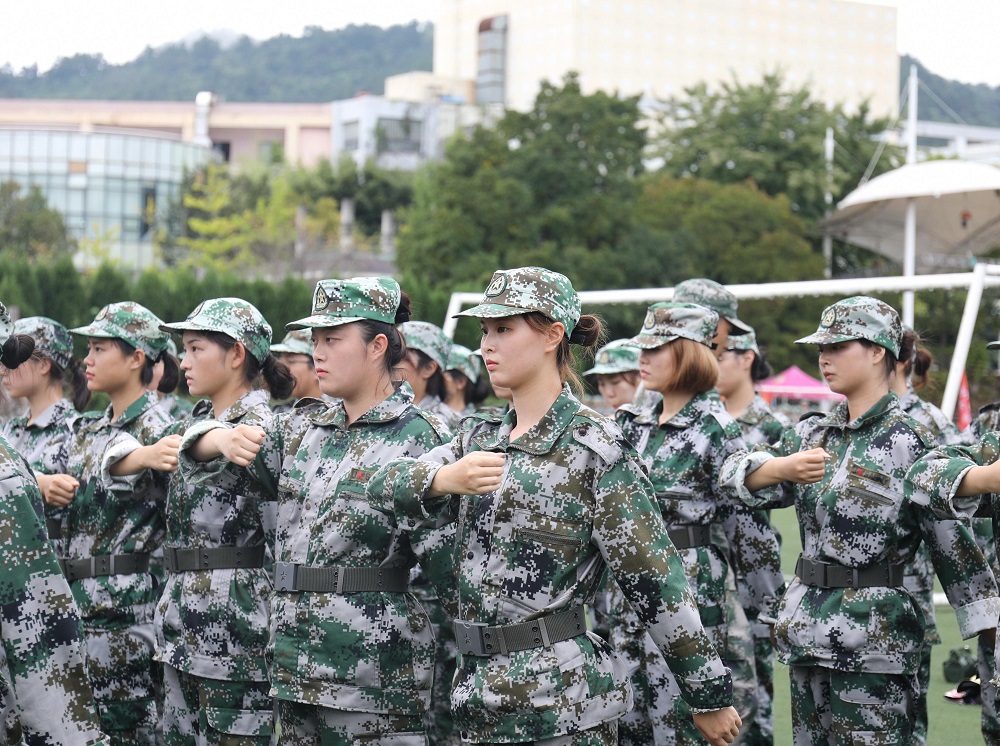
x,y
794,383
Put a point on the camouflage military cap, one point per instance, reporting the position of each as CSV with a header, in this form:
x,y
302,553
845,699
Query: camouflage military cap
x,y
744,342
859,317
233,317
172,347
465,361
296,342
6,325
131,323
619,356
666,322
429,339
337,302
52,339
712,295
516,291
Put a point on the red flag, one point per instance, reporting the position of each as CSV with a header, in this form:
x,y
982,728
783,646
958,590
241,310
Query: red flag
x,y
963,415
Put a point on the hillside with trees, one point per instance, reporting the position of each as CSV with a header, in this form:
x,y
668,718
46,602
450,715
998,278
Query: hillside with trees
x,y
317,66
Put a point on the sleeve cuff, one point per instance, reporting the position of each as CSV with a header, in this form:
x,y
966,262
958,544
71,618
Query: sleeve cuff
x,y
735,471
707,695
192,469
112,456
977,616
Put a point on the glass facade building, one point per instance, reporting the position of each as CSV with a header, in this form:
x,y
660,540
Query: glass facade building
x,y
109,184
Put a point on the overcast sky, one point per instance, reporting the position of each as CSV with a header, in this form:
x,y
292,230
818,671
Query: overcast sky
x,y
954,38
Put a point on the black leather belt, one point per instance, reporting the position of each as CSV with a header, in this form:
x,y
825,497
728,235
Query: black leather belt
x,y
686,537
53,526
830,575
105,564
212,558
483,640
292,578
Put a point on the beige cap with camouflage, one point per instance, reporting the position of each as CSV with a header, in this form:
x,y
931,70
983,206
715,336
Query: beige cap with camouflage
x,y
666,322
130,322
620,356
516,291
859,317
52,339
233,317
465,361
429,339
337,302
712,295
296,342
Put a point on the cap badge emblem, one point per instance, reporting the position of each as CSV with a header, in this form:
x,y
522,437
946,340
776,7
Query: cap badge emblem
x,y
829,318
322,300
497,285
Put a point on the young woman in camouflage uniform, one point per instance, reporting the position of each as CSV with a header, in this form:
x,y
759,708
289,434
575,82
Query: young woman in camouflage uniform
x,y
352,652
741,366
464,381
616,369
546,499
45,698
423,367
212,618
164,383
684,440
295,351
44,435
849,631
109,534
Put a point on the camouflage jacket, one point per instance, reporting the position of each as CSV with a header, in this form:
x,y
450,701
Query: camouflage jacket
x,y
761,424
575,501
684,457
214,623
103,519
438,408
44,443
941,428
176,407
45,696
370,651
864,512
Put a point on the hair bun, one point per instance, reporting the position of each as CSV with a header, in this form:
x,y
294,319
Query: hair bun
x,y
16,350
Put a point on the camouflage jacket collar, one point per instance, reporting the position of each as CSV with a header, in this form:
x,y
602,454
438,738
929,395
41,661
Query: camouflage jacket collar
x,y
58,413
253,399
539,439
132,412
837,417
690,414
392,408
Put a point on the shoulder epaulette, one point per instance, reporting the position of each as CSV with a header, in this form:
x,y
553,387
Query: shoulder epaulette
x,y
598,434
811,413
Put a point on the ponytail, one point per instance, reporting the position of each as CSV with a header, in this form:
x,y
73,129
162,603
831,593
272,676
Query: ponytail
x,y
917,359
277,377
588,334
171,374
396,349
77,383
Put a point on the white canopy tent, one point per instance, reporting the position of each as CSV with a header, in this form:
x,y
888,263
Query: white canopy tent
x,y
982,276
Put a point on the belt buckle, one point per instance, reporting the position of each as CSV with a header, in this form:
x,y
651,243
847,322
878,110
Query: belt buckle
x,y
469,638
284,576
170,558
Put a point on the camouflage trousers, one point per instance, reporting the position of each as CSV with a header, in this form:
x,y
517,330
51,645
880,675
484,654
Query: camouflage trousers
x,y
438,720
761,728
835,708
660,715
986,668
212,712
919,737
123,677
300,724
603,735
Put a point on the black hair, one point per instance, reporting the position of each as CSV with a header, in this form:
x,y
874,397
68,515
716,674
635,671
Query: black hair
x,y
760,369
588,333
916,358
16,350
474,391
276,376
396,349
171,372
888,362
435,384
71,377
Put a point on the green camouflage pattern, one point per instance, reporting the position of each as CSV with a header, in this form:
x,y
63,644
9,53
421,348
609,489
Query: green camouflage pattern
x,y
211,712
176,407
515,291
130,322
214,623
6,324
744,343
859,317
296,342
52,339
108,518
45,444
620,356
710,294
370,652
831,706
666,322
440,410
684,457
338,302
429,339
865,510
575,501
233,317
44,696
465,361
307,725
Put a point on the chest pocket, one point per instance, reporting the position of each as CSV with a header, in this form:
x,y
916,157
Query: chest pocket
x,y
545,549
870,491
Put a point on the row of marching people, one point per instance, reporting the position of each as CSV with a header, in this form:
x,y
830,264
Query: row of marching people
x,y
366,567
